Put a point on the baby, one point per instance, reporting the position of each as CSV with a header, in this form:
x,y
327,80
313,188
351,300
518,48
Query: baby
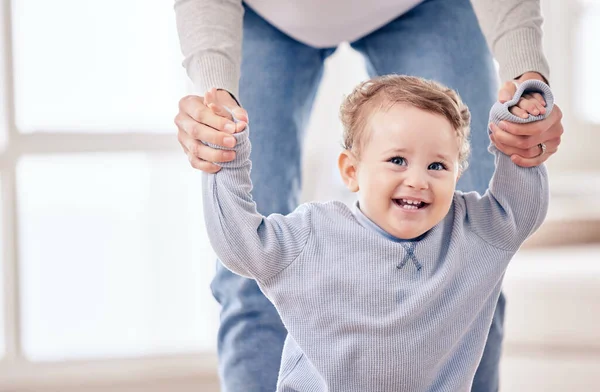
x,y
398,292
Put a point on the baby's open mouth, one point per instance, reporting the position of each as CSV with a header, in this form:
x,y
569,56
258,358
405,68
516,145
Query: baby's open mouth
x,y
410,204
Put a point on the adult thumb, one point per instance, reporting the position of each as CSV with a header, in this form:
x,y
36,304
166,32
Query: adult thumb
x,y
507,91
240,114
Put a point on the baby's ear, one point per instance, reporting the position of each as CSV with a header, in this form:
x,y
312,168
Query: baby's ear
x,y
348,165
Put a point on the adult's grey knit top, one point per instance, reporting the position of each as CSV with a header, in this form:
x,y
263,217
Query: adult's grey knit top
x,y
210,31
366,312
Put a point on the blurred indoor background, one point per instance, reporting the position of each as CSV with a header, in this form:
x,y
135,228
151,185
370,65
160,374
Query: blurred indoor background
x,y
104,284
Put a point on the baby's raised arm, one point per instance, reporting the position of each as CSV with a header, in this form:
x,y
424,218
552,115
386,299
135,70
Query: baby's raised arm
x,y
245,241
516,202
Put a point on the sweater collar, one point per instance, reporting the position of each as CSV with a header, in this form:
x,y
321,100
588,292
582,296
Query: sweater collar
x,y
367,223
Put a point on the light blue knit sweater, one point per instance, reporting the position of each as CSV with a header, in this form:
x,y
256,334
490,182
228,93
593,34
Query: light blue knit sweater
x,y
367,313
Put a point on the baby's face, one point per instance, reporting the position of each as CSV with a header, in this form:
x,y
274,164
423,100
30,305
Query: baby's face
x,y
407,170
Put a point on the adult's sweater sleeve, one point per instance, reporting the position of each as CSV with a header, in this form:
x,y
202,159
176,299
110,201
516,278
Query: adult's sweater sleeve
x,y
245,241
516,202
210,37
513,31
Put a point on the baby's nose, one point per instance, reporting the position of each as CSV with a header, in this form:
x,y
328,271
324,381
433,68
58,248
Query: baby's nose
x,y
416,179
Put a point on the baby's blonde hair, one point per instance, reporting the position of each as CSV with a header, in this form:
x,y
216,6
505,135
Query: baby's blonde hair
x,y
389,90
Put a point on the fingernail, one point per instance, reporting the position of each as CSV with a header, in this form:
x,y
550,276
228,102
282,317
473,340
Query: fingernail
x,y
228,155
502,125
229,141
536,112
229,127
491,126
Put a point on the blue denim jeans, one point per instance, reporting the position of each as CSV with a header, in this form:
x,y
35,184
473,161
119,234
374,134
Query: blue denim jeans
x,y
438,39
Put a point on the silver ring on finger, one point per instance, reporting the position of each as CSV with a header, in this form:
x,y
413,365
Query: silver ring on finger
x,y
542,147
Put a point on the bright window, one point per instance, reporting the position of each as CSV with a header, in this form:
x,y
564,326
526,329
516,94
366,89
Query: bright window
x,y
102,231
114,258
96,66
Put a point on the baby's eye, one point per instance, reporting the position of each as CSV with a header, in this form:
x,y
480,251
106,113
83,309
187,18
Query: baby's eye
x,y
437,166
398,161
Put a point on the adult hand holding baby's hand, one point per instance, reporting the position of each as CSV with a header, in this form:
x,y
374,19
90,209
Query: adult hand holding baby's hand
x,y
522,141
204,119
225,109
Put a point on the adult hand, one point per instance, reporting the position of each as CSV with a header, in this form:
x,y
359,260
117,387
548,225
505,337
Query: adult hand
x,y
521,141
197,123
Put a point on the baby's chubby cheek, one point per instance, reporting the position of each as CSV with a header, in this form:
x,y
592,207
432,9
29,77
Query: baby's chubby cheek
x,y
442,208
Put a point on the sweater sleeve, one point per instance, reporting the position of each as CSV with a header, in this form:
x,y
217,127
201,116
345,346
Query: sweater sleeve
x,y
246,242
513,31
516,201
210,37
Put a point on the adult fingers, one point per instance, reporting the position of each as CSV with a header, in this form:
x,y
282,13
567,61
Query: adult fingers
x,y
528,129
202,151
535,127
220,110
222,104
531,152
210,100
193,106
507,91
500,138
526,142
551,148
530,157
515,141
199,164
199,131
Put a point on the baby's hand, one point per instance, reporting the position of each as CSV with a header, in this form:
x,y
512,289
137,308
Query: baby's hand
x,y
529,104
211,100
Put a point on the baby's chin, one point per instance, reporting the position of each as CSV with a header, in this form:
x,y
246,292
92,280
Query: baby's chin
x,y
410,231
410,234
